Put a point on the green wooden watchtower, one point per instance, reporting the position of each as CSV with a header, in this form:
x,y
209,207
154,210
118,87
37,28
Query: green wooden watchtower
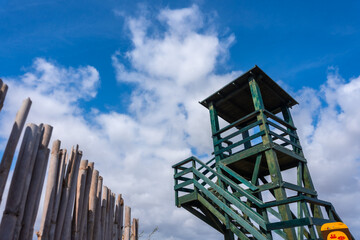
x,y
257,185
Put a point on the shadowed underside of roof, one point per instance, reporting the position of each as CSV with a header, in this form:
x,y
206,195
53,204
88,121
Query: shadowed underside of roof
x,y
234,100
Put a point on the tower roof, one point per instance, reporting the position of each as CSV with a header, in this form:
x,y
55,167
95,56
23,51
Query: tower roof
x,y
234,100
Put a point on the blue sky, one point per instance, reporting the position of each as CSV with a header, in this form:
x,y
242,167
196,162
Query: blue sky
x,y
125,77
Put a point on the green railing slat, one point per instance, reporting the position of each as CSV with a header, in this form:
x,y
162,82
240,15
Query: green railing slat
x,y
238,177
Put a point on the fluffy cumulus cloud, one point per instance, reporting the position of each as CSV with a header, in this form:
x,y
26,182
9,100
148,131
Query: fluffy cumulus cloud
x,y
171,66
328,121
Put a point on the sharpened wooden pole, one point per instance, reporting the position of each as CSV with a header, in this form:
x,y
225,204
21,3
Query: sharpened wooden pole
x,y
85,205
66,232
104,202
59,186
127,223
36,184
50,193
92,205
97,220
79,199
15,197
135,229
9,151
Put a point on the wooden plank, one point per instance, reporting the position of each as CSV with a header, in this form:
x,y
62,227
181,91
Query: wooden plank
x,y
242,130
288,152
289,223
256,169
284,139
238,122
245,153
202,217
238,177
187,198
298,188
232,214
181,185
279,120
256,135
214,211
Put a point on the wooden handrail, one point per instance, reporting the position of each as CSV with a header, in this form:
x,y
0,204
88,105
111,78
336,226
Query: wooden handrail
x,y
238,122
279,120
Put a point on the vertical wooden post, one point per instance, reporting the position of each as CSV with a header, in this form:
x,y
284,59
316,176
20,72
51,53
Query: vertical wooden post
x,y
97,220
111,216
18,182
104,202
79,200
58,196
92,205
118,221
271,157
127,223
85,205
50,193
9,151
36,184
228,235
135,229
66,232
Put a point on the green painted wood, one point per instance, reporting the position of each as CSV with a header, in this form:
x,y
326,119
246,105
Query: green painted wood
x,y
255,174
212,217
203,218
240,131
288,152
298,188
238,177
182,173
246,153
230,198
187,198
256,135
279,120
284,139
232,214
243,120
289,223
286,131
213,210
234,185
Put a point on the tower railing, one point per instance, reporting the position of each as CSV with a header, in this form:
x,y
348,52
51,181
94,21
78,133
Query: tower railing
x,y
245,132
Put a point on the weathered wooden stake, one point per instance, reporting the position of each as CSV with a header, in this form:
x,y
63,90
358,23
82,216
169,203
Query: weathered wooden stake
x,y
97,220
15,197
135,229
36,184
50,193
9,151
59,187
66,232
104,203
79,200
92,205
127,223
85,205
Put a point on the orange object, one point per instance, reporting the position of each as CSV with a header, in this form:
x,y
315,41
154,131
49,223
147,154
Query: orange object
x,y
335,231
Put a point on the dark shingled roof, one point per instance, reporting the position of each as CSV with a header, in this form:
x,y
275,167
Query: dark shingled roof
x,y
234,100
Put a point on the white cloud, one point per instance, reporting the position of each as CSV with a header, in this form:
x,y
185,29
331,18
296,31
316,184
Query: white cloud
x,y
165,123
328,121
